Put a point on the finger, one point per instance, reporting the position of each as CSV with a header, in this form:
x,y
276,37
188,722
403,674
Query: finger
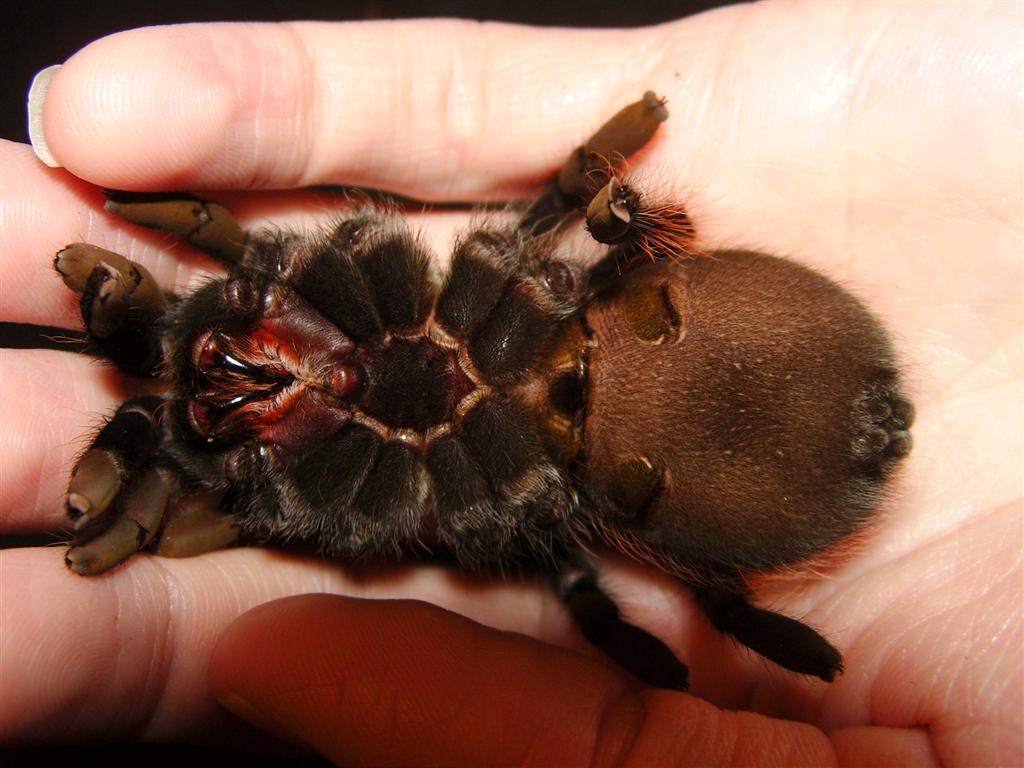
x,y
124,656
43,210
52,403
400,683
406,106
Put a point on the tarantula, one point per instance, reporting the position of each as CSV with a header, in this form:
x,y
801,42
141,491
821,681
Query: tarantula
x,y
715,414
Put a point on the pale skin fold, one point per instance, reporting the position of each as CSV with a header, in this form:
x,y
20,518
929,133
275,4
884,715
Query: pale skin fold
x,y
877,142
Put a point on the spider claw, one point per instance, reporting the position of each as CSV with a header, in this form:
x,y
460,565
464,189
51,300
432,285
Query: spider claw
x,y
112,547
76,262
94,485
71,267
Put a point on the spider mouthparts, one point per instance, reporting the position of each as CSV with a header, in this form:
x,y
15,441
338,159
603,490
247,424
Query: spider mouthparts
x,y
307,423
290,379
346,381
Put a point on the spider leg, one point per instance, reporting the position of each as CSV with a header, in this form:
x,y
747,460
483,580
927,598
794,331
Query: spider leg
x,y
508,308
495,484
479,271
598,618
138,521
116,498
195,524
370,274
589,167
121,305
122,498
626,132
206,225
787,642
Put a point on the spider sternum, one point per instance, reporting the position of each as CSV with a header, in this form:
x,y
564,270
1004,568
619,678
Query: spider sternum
x,y
419,384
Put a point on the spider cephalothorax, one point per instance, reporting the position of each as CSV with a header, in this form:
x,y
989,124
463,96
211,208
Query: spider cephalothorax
x,y
719,416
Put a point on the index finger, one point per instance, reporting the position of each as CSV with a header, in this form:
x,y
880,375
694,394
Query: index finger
x,y
433,109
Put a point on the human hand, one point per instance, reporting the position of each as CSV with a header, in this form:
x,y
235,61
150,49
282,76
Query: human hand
x,y
881,146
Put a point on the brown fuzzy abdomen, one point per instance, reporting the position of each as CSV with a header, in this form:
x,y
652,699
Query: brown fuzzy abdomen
x,y
763,418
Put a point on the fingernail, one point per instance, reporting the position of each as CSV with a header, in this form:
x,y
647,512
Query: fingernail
x,y
36,100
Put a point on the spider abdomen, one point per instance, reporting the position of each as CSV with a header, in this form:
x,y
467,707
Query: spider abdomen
x,y
742,446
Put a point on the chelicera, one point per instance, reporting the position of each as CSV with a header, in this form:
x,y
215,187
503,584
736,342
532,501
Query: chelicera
x,y
719,415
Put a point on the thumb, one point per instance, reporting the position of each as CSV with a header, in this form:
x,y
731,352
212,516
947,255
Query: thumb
x,y
406,683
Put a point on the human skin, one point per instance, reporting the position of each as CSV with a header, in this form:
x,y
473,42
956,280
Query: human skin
x,y
879,143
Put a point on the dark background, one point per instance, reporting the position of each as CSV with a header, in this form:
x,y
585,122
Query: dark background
x,y
39,34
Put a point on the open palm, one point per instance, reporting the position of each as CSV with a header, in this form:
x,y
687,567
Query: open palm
x,y
880,144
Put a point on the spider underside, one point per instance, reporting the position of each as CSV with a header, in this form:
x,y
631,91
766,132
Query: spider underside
x,y
717,416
